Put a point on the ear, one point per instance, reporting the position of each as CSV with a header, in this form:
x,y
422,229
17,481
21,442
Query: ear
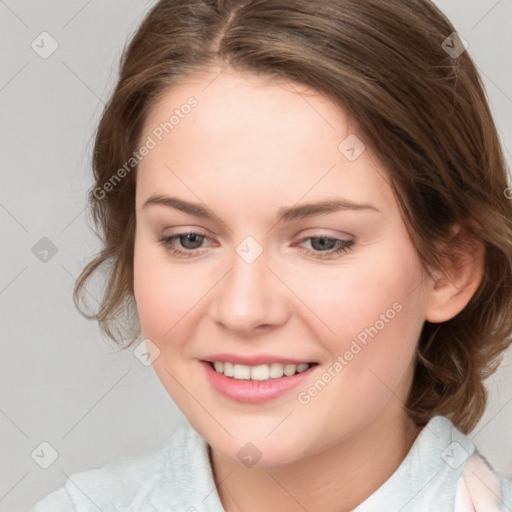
x,y
456,283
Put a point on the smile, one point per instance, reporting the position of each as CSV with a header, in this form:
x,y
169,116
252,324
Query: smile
x,y
255,384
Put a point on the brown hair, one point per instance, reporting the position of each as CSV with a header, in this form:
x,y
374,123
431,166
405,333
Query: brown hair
x,y
421,109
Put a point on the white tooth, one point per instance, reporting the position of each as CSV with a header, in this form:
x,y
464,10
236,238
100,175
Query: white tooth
x,y
290,369
260,372
241,371
276,370
228,369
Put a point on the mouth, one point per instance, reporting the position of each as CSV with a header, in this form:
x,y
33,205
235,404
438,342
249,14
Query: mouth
x,y
255,384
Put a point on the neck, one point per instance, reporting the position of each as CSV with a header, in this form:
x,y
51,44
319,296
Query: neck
x,y
337,480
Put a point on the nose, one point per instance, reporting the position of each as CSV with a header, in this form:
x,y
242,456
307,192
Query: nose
x,y
249,298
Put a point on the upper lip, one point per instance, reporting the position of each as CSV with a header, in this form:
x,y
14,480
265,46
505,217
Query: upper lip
x,y
255,360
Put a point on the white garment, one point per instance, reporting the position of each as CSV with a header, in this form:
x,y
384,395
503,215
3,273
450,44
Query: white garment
x,y
443,472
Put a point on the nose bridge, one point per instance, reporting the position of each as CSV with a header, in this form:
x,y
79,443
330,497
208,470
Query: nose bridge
x,y
248,297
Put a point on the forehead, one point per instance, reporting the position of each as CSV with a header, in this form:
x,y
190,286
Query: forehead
x,y
246,134
229,100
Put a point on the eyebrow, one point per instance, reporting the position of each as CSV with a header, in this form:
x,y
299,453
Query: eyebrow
x,y
284,214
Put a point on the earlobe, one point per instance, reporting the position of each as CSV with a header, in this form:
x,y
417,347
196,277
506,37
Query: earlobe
x,y
457,282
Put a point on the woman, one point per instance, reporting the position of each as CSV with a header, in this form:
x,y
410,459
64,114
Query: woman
x,y
304,214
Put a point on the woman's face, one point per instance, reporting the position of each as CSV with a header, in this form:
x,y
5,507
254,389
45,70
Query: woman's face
x,y
300,259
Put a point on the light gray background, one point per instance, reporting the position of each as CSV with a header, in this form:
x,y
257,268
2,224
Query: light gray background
x,y
61,382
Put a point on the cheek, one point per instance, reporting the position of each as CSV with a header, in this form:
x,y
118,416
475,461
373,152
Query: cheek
x,y
375,309
375,279
372,306
166,294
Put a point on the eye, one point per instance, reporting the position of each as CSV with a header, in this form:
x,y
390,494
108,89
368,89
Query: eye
x,y
327,247
188,243
191,240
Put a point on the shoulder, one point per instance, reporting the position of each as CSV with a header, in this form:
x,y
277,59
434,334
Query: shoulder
x,y
443,471
481,489
70,498
478,487
125,481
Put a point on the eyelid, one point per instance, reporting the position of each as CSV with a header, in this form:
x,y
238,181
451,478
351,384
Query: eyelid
x,y
324,232
183,230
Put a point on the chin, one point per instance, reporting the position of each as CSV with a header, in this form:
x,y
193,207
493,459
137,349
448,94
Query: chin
x,y
260,455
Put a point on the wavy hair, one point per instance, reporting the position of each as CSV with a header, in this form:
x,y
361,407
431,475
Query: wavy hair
x,y
421,108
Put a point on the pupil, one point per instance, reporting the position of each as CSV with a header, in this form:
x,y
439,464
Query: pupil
x,y
323,243
191,240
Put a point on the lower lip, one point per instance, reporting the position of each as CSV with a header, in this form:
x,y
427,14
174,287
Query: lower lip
x,y
251,391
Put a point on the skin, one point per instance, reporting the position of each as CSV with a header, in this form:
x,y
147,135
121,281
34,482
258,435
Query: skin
x,y
250,147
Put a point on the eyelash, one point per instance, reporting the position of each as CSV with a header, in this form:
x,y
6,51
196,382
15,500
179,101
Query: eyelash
x,y
344,246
